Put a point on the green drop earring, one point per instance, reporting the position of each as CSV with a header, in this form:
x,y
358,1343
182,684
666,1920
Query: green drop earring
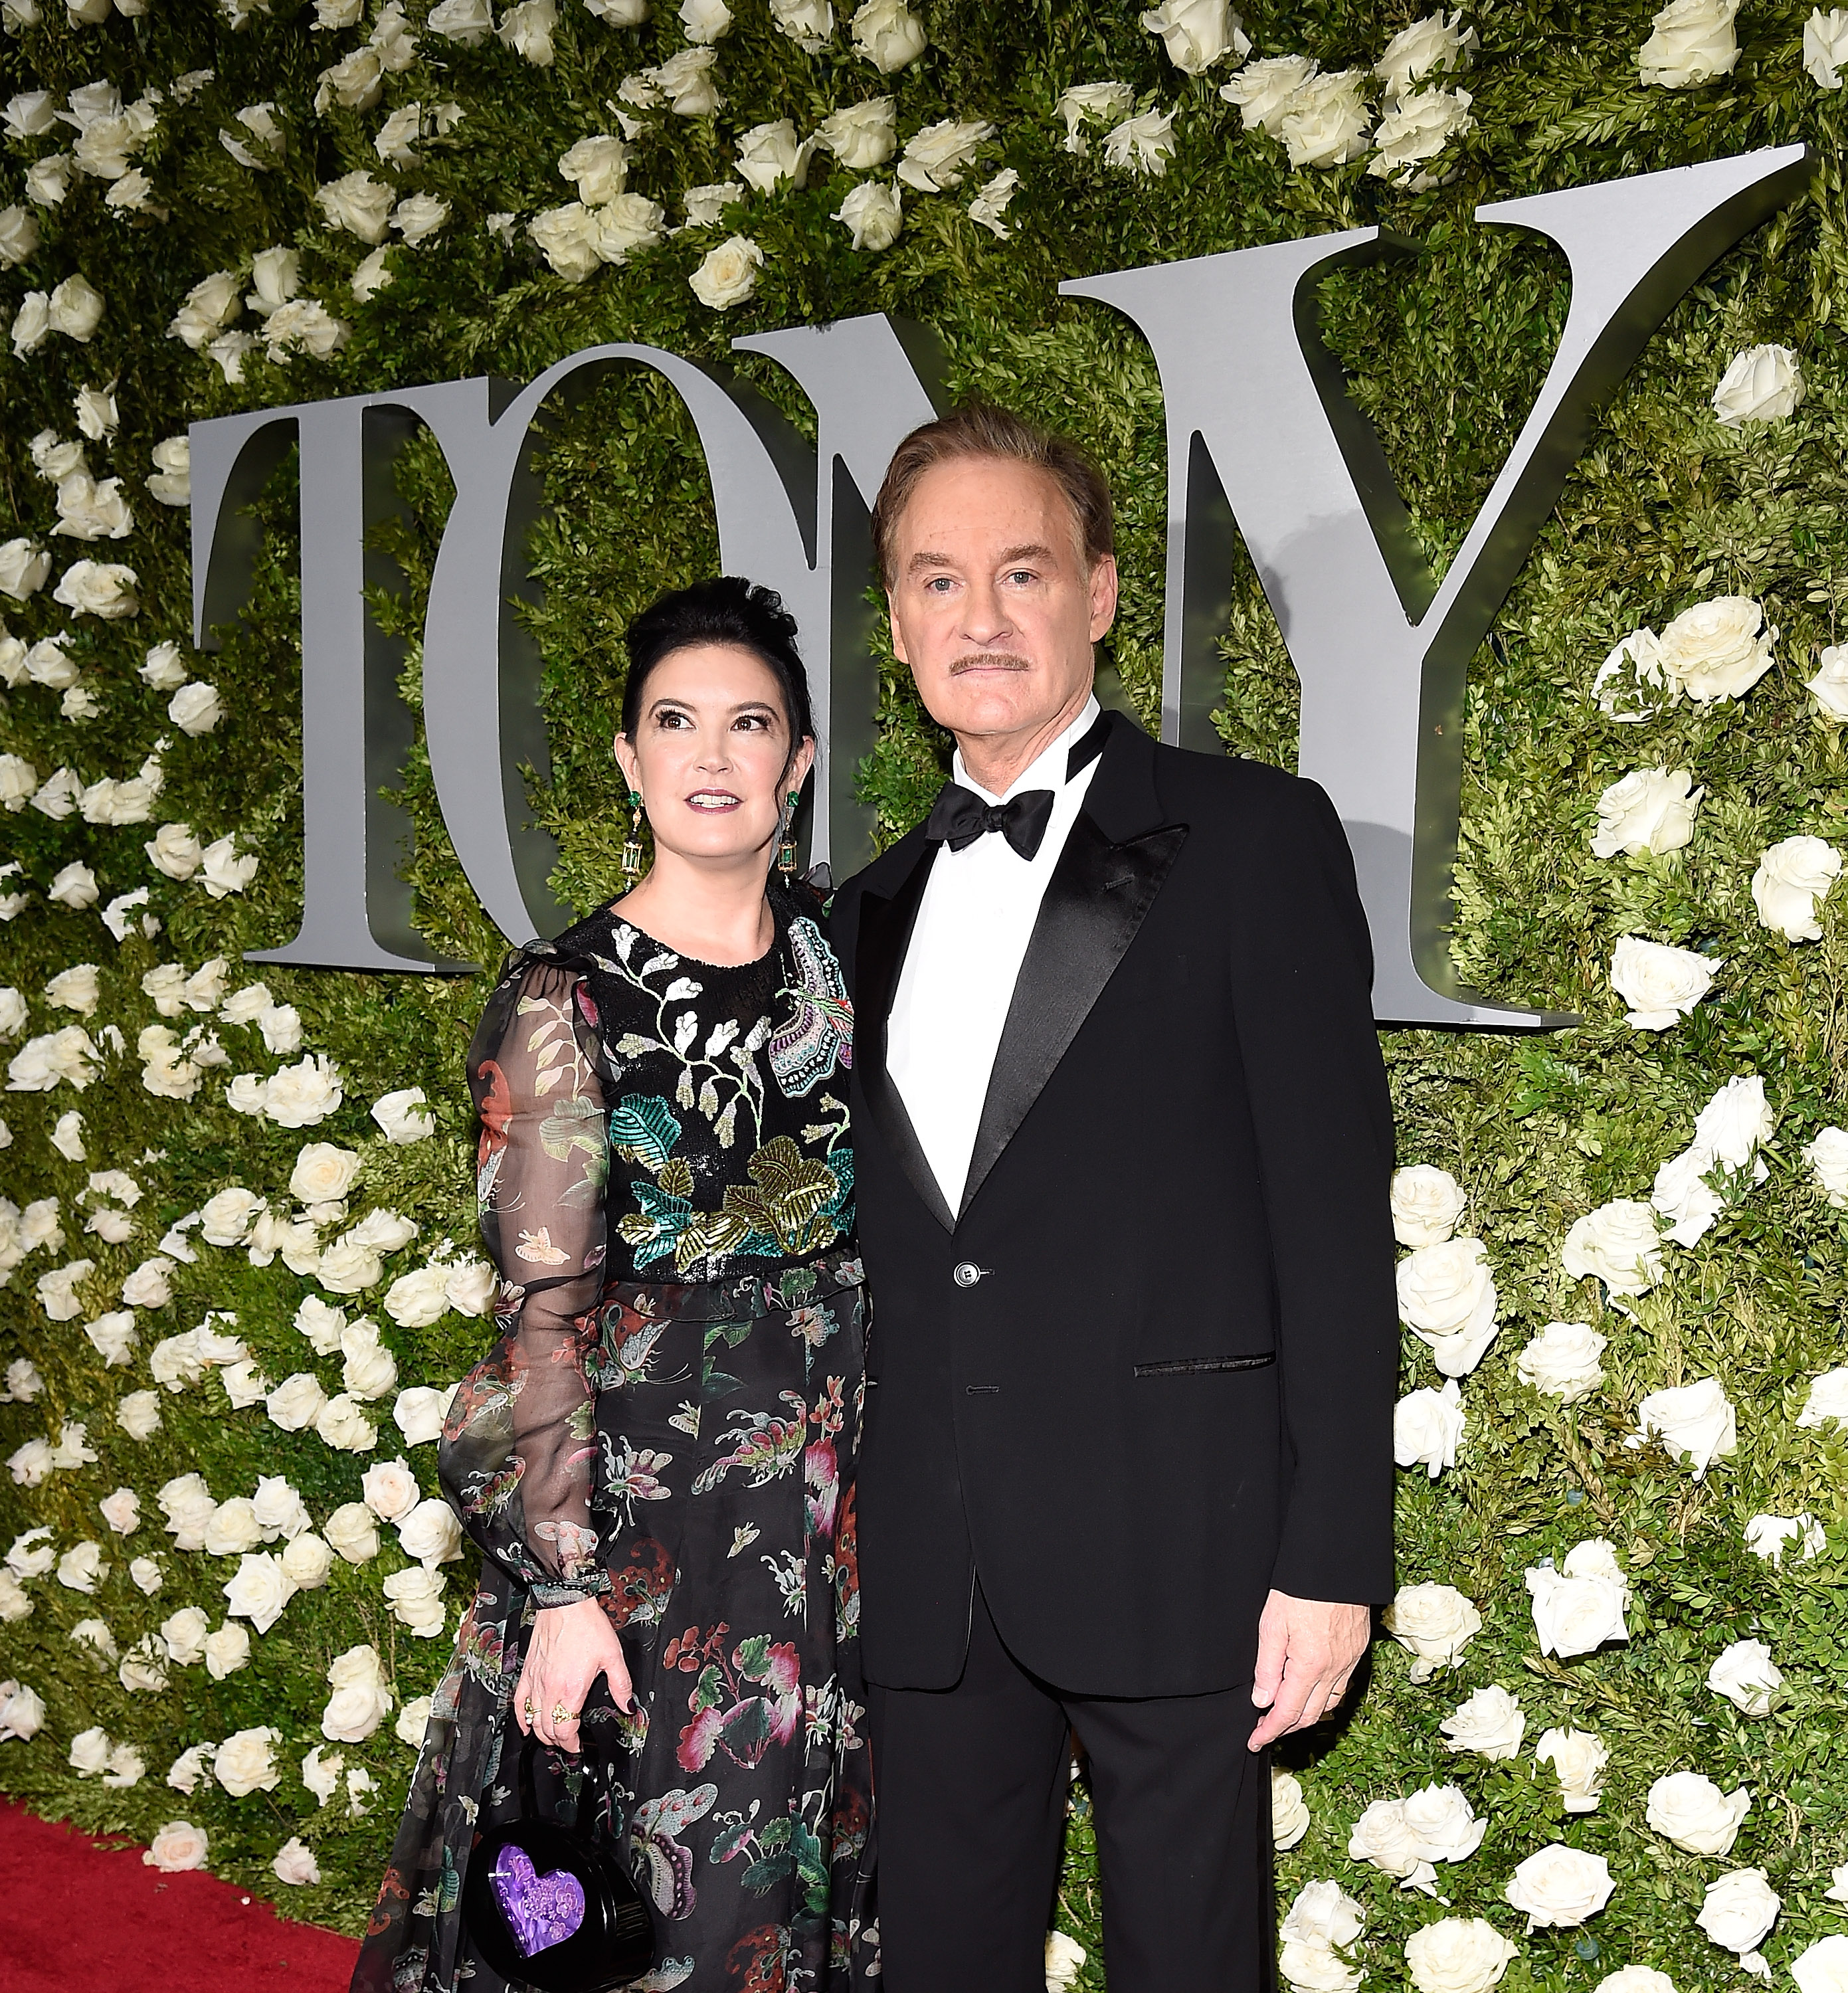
x,y
786,858
632,849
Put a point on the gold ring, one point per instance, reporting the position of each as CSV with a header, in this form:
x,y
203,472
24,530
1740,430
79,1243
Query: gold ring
x,y
529,1706
561,1714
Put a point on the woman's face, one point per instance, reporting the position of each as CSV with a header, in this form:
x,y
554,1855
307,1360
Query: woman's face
x,y
711,753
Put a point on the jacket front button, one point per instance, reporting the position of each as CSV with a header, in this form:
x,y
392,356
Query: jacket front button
x,y
967,1273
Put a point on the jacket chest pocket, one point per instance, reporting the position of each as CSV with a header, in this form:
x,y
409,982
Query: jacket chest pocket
x,y
1205,1366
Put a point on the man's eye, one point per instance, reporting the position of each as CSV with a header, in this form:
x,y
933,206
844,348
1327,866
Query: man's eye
x,y
1022,575
938,584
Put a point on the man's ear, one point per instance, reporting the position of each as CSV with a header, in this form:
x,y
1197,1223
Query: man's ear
x,y
1103,587
898,637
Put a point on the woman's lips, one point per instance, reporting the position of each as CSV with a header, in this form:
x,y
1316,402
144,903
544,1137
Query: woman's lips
x,y
712,802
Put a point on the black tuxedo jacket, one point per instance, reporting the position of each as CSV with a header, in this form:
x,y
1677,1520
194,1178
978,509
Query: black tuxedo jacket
x,y
1147,1371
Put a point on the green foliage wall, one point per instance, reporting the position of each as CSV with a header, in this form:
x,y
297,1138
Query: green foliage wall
x,y
1667,508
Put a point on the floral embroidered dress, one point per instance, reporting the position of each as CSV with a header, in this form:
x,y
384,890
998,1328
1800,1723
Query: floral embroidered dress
x,y
668,1424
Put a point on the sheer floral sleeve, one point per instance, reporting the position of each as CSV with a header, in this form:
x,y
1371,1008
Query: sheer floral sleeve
x,y
517,1446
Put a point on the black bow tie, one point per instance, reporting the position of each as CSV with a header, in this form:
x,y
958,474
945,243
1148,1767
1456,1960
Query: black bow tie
x,y
959,816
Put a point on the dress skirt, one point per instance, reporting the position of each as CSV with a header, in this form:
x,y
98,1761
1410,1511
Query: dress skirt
x,y
726,1421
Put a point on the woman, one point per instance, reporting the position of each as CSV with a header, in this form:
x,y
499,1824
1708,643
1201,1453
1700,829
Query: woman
x,y
657,1458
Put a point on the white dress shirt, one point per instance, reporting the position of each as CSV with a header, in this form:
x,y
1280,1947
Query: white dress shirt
x,y
973,925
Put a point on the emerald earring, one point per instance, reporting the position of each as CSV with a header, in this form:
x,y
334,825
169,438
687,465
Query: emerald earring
x,y
786,858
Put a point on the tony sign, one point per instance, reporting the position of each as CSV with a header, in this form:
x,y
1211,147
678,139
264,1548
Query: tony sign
x,y
1261,435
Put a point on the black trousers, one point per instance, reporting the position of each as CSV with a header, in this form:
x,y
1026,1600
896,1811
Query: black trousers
x,y
971,1784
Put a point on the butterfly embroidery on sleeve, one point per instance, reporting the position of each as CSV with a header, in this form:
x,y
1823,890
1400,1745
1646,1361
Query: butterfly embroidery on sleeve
x,y
819,1033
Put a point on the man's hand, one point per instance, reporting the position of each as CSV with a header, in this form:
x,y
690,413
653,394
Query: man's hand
x,y
1306,1652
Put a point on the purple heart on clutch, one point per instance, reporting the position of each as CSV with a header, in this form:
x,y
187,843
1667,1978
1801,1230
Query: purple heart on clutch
x,y
540,1910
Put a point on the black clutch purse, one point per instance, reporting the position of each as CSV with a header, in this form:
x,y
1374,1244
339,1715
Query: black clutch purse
x,y
554,1908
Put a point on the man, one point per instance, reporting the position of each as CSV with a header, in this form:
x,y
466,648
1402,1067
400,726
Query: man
x,y
1123,1144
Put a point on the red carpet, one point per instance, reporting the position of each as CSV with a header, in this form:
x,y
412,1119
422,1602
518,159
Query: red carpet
x,y
83,1918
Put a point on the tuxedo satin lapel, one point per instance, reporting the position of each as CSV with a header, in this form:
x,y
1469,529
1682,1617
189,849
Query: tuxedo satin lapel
x,y
1097,898
885,934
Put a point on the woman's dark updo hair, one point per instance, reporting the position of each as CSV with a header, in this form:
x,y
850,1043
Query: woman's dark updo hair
x,y
729,611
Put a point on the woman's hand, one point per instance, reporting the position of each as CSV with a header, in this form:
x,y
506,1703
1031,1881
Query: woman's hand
x,y
571,1645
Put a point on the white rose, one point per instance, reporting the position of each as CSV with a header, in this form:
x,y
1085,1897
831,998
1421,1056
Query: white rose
x,y
321,1772
431,1533
1579,1607
307,1561
1416,129
221,871
419,216
22,1712
295,1863
1695,1422
1789,884
1690,1810
1737,1119
29,1558
1289,1814
471,1286
991,203
1717,650
73,886
245,1763
937,157
1739,1910
1143,144
418,1414
356,1674
1825,52
226,1219
808,23
1660,983
728,274
348,1267
32,322
1383,1837
1823,1967
1447,1298
861,136
1828,1399
1692,43
57,1289
322,1173
359,204
177,1847
278,1508
1426,1203
1096,103
769,153
184,1634
1766,1535
121,1511
1197,33
188,1505
1490,1723
175,851
1829,686
389,1490
321,1325
259,1591
99,588
296,1403
369,1370
888,34
705,205
352,1531
300,1095
195,708
18,236
1326,120
1322,1914
415,1301
873,214
404,1116
1651,809
82,1568
77,989
89,1753
1427,1428
1764,384
234,1528
465,20
1457,1955
342,1426
1429,44
1435,1623
226,1651
417,1603
172,484
1747,1676
1619,1243
1579,1757
15,1602
1560,1887
75,309
526,29
598,166
1563,1361
1827,1157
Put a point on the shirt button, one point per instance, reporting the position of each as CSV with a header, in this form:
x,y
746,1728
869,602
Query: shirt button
x,y
966,1274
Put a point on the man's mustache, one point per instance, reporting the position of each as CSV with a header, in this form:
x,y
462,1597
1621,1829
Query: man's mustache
x,y
991,661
